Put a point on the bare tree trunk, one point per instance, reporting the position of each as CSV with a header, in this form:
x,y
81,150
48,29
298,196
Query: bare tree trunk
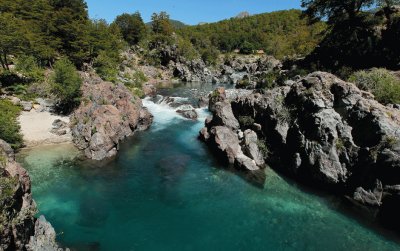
x,y
4,59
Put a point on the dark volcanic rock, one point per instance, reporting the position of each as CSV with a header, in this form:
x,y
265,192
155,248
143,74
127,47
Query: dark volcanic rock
x,y
19,229
322,131
108,114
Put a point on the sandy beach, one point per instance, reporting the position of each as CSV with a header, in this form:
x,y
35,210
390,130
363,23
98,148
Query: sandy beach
x,y
36,128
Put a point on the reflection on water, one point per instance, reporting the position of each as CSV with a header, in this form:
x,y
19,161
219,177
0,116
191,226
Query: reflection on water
x,y
164,191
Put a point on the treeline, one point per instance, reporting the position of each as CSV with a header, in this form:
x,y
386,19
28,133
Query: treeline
x,y
362,34
280,33
50,29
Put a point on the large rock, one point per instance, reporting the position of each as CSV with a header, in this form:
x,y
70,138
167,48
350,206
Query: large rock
x,y
107,114
18,209
322,131
226,144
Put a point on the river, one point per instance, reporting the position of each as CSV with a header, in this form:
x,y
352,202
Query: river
x,y
166,192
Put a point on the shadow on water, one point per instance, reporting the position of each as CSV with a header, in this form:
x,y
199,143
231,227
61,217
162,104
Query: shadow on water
x,y
363,215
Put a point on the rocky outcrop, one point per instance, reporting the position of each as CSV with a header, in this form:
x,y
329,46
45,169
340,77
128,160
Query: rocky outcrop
x,y
320,130
19,229
235,70
107,114
222,133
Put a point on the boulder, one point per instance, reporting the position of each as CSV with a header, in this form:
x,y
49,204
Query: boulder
x,y
188,113
251,147
26,105
108,114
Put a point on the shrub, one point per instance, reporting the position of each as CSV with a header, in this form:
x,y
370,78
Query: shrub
x,y
135,83
9,127
384,85
66,85
107,66
27,65
185,49
246,121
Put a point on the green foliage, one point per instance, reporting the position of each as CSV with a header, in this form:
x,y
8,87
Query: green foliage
x,y
106,66
262,146
279,33
9,127
362,34
28,66
186,49
246,121
246,48
209,55
383,84
160,24
46,29
269,80
135,82
132,27
66,85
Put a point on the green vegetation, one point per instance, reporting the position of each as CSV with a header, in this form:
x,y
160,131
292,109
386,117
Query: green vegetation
x,y
135,82
383,84
46,29
132,27
9,127
280,33
362,34
29,68
246,121
66,85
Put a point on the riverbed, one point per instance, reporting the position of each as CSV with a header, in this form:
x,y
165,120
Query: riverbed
x,y
165,191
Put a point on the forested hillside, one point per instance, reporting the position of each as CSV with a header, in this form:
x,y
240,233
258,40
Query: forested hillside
x,y
48,29
278,33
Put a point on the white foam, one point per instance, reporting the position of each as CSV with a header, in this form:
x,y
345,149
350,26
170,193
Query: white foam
x,y
163,114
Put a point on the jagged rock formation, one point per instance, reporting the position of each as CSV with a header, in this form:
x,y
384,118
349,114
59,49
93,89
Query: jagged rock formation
x,y
234,70
320,130
107,114
19,229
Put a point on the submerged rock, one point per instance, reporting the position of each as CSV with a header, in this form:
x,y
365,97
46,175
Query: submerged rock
x,y
107,114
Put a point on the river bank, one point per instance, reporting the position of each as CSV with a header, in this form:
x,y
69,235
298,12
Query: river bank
x,y
151,199
38,128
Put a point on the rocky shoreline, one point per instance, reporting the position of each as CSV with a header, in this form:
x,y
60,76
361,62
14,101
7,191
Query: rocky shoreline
x,y
320,130
20,229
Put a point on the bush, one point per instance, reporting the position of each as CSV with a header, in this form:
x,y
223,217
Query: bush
x,y
66,85
185,49
135,83
9,127
106,66
27,65
210,55
383,84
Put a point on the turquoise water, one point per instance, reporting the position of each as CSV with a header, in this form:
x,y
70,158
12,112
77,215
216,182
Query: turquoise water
x,y
165,192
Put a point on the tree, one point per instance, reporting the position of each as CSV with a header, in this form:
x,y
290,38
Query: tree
x,y
11,38
72,27
246,48
132,27
66,85
335,10
161,24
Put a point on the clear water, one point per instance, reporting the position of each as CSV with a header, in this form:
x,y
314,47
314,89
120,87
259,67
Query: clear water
x,y
165,192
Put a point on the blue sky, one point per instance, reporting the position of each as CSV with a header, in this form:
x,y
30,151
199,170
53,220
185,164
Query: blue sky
x,y
187,11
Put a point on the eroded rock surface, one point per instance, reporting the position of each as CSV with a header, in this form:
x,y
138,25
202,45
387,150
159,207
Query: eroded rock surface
x,y
108,114
17,209
320,130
